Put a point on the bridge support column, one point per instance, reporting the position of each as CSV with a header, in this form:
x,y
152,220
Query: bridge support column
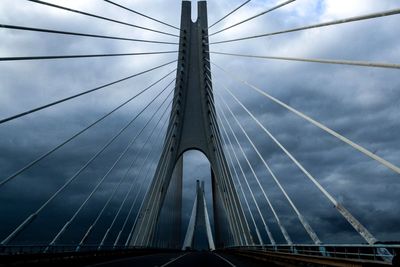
x,y
192,126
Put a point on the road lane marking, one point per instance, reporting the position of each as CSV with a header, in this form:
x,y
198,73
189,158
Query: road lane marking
x,y
230,263
120,260
175,259
110,261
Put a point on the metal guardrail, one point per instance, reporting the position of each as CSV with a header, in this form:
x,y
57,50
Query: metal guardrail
x,y
378,252
68,255
37,249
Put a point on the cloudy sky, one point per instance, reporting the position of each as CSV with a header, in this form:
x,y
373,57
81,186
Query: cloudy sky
x,y
360,103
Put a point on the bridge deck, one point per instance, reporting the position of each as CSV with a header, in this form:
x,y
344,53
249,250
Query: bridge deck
x,y
143,258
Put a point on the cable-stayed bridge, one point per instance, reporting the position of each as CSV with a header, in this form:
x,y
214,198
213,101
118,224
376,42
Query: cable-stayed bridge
x,y
112,190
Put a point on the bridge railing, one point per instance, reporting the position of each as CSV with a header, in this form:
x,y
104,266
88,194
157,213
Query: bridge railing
x,y
379,252
36,249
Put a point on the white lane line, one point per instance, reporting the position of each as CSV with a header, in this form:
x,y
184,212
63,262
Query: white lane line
x,y
111,261
175,259
230,263
119,260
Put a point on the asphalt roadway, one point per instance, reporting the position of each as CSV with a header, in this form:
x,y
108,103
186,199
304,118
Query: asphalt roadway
x,y
191,259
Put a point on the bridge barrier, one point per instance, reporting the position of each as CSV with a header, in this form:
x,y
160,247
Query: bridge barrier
x,y
66,255
379,253
46,249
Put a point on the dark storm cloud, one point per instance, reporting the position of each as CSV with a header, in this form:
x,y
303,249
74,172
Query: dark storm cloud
x,y
360,103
